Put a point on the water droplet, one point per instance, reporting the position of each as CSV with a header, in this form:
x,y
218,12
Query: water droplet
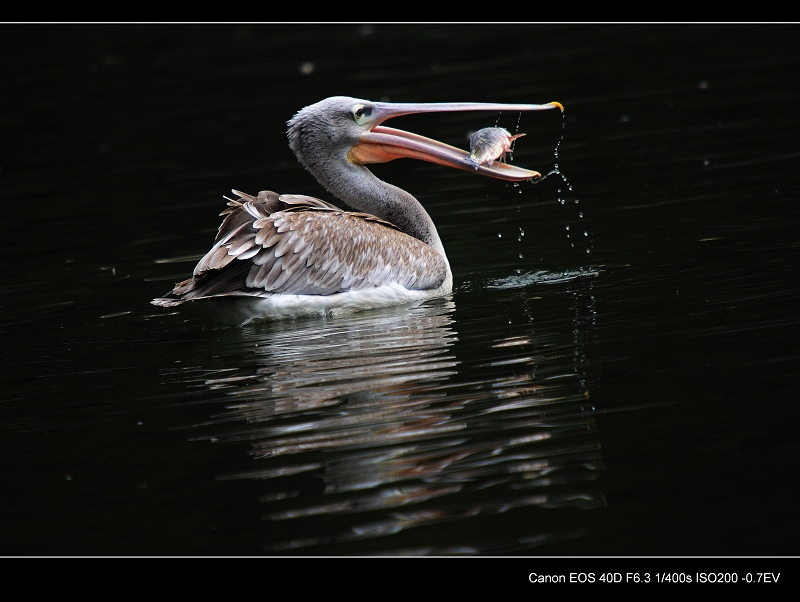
x,y
499,235
520,256
307,68
567,227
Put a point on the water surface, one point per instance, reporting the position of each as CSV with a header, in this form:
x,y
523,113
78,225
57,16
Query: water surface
x,y
614,374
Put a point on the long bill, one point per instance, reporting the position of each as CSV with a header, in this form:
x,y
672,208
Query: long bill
x,y
381,144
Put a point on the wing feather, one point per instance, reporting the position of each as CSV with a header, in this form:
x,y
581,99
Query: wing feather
x,y
295,244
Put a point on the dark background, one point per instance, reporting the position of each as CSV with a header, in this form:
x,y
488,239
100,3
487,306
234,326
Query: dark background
x,y
655,375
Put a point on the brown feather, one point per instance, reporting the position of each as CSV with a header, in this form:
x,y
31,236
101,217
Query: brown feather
x,y
297,244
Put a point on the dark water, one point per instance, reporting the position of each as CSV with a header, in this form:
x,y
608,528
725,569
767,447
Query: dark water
x,y
615,373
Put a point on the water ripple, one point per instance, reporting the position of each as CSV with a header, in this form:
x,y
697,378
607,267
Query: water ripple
x,y
398,434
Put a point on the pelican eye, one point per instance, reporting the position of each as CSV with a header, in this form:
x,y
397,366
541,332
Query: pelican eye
x,y
361,113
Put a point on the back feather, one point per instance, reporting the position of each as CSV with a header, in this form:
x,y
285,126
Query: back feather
x,y
296,244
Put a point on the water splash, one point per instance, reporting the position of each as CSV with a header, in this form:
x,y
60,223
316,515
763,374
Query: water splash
x,y
542,277
561,196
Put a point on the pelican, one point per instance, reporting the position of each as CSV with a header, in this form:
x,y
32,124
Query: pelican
x,y
286,255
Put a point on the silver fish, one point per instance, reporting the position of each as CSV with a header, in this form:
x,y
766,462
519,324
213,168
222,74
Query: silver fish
x,y
489,144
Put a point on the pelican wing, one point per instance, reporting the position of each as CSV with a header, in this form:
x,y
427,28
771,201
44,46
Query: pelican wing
x,y
294,244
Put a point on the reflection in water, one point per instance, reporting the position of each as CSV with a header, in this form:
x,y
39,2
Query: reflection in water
x,y
367,426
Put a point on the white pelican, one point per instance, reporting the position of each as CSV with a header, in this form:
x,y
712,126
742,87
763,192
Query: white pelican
x,y
287,255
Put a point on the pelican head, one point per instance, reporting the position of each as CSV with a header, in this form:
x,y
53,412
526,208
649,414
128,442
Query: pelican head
x,y
349,129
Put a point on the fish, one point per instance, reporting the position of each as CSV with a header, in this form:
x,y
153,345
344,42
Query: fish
x,y
488,145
